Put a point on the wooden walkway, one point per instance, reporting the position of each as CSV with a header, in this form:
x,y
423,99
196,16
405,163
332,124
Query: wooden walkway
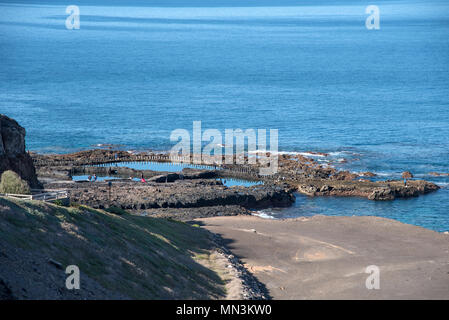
x,y
105,160
143,158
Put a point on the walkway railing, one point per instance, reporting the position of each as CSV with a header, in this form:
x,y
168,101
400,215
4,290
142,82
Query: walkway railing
x,y
103,160
140,158
44,195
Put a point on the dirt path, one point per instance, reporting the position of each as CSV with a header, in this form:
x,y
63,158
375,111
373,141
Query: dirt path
x,y
326,257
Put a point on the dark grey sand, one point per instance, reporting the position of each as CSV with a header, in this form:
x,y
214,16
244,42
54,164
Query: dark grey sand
x,y
326,257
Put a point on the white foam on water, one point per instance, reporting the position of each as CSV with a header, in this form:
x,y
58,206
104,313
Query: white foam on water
x,y
336,153
311,155
291,153
387,174
273,152
263,215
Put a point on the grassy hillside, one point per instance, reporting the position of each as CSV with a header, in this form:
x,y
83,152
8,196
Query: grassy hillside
x,y
119,256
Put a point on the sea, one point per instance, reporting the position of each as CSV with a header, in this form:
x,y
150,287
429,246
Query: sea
x,y
373,99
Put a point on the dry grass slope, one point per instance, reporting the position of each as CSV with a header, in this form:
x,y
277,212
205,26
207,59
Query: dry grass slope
x,y
119,255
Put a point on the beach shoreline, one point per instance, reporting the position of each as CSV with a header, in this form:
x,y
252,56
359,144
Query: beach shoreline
x,y
326,257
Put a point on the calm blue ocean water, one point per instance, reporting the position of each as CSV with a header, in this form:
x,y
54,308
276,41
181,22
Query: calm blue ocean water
x,y
133,73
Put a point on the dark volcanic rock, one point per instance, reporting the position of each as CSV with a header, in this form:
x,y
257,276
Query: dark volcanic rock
x,y
179,194
368,174
308,189
439,174
345,175
171,177
187,214
12,151
382,194
379,190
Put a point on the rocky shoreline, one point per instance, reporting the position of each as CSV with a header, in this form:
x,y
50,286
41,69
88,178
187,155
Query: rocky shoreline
x,y
199,188
131,195
379,190
192,193
244,284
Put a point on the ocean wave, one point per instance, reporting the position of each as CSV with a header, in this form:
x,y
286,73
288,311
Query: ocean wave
x,y
291,153
310,155
336,153
443,184
387,174
263,215
274,152
343,152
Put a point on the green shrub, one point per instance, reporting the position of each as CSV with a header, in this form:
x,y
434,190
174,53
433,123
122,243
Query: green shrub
x,y
58,202
74,204
12,183
115,210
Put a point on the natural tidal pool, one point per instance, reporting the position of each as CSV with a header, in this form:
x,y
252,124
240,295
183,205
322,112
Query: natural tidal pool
x,y
158,166
170,167
99,178
231,182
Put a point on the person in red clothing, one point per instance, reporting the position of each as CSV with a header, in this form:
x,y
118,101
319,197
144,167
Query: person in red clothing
x,y
142,179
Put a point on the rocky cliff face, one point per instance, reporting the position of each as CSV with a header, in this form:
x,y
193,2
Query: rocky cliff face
x,y
12,151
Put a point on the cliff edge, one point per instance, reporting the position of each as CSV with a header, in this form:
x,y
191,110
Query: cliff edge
x,y
12,151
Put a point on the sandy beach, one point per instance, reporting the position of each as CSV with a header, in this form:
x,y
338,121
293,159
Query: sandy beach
x,y
325,257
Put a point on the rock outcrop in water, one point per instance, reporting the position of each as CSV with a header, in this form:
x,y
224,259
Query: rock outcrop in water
x,y
379,190
12,151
